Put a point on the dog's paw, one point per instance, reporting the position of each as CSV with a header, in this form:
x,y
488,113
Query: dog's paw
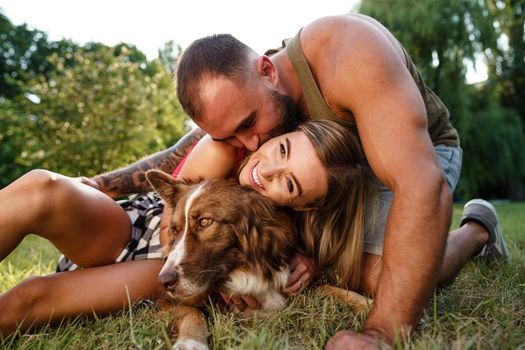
x,y
189,344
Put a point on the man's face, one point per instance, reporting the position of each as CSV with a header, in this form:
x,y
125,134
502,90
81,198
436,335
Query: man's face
x,y
245,115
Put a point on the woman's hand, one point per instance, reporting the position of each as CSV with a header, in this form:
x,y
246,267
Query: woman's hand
x,y
301,274
245,304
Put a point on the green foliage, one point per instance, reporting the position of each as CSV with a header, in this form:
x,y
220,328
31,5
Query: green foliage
x,y
99,114
494,153
439,36
80,110
507,63
12,124
168,55
24,55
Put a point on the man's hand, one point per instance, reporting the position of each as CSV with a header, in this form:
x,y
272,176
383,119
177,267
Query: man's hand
x,y
301,274
356,341
88,181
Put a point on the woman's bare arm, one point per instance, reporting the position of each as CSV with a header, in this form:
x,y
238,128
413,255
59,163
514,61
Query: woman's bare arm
x,y
209,159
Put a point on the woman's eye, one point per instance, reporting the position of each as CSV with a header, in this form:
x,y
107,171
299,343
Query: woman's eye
x,y
282,150
289,184
204,222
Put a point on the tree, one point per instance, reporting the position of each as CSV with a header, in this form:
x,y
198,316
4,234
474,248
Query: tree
x,y
80,110
493,144
507,62
24,55
12,125
440,36
101,113
169,56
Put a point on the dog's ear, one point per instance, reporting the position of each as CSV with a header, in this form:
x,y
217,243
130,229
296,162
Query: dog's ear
x,y
268,245
265,233
164,184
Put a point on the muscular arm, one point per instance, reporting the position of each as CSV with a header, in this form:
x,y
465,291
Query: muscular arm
x,y
376,90
132,179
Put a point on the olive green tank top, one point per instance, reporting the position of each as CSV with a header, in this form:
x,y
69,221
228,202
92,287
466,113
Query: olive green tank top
x,y
439,127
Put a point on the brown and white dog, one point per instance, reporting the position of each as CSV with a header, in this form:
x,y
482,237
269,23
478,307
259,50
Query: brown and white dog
x,y
223,237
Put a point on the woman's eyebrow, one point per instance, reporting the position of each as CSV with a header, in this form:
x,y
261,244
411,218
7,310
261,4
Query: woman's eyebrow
x,y
297,183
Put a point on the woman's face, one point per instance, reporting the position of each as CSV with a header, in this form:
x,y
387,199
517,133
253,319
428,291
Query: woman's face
x,y
287,170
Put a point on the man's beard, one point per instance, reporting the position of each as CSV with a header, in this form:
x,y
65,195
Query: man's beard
x,y
288,112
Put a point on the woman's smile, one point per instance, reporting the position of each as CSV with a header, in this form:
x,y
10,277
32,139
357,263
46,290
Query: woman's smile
x,y
255,176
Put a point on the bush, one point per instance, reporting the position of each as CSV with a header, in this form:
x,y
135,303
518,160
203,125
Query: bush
x,y
104,112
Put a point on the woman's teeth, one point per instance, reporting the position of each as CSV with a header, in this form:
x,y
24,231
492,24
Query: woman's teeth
x,y
255,177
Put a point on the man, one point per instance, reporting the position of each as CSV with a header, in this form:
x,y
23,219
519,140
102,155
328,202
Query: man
x,y
352,70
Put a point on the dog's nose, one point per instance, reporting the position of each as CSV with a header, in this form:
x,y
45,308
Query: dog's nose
x,y
168,279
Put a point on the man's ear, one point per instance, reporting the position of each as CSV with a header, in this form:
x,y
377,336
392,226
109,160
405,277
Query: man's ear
x,y
164,184
266,68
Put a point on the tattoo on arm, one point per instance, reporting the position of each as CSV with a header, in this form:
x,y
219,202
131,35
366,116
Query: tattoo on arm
x,y
132,179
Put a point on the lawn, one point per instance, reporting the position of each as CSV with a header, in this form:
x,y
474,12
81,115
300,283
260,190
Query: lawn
x,y
483,309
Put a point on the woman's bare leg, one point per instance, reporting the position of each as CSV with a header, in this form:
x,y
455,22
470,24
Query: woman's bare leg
x,y
84,224
49,299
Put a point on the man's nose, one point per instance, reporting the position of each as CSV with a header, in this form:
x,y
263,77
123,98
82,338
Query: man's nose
x,y
250,141
269,170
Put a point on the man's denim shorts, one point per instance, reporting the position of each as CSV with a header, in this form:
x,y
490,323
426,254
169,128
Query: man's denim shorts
x,y
450,161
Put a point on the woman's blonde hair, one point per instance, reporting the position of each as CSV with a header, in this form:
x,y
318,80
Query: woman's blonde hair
x,y
333,232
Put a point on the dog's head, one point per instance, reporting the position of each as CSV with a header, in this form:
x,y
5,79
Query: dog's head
x,y
218,226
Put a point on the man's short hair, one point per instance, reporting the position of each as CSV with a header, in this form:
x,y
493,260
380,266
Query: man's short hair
x,y
209,57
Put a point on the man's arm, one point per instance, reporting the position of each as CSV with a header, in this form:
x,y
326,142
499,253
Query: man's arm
x,y
374,87
132,179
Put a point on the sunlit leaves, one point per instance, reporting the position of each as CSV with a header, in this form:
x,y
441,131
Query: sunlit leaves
x,y
101,113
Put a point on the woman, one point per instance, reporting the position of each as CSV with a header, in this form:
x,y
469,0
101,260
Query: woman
x,y
302,169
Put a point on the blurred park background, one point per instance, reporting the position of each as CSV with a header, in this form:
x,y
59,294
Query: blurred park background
x,y
84,109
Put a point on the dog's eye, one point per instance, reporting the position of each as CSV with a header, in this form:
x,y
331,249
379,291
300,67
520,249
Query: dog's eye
x,y
205,222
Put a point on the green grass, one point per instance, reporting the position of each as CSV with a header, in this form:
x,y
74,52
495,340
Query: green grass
x,y
483,309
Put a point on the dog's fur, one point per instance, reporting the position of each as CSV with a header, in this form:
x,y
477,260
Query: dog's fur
x,y
222,237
